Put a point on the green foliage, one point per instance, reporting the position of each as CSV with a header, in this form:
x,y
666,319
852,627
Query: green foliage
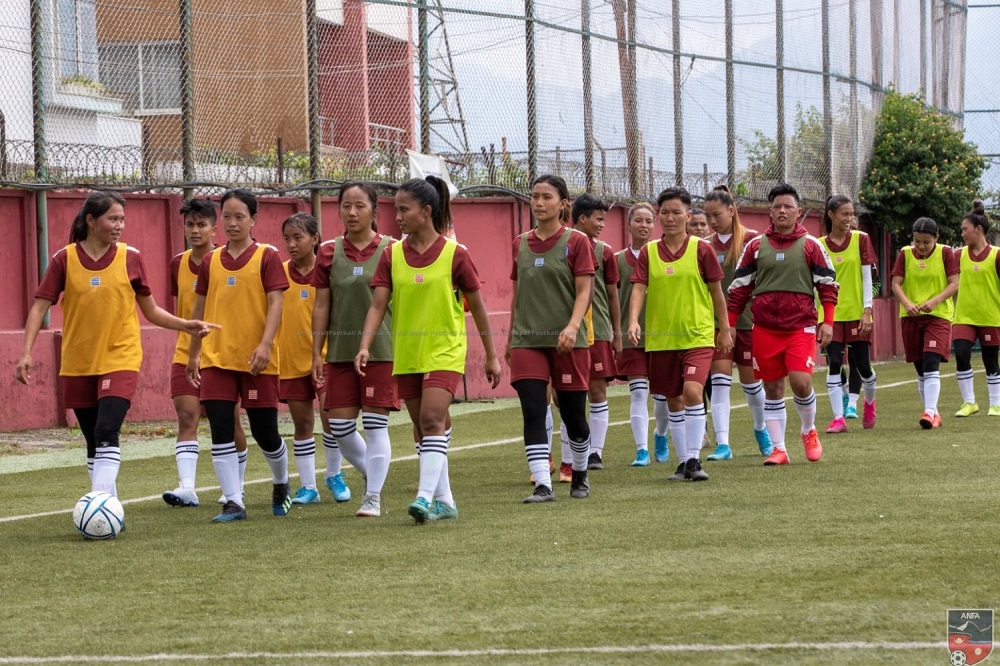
x,y
807,164
921,165
86,82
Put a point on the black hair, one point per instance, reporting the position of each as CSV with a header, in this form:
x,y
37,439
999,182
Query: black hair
x,y
244,195
588,204
96,205
306,223
783,189
203,208
560,186
720,194
432,192
833,204
674,193
977,216
372,197
697,211
925,225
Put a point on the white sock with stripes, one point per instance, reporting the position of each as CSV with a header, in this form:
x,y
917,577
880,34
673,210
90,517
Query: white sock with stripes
x,y
776,419
722,386
661,414
106,464
186,454
378,450
278,462
350,441
806,407
227,469
755,401
598,426
836,392
566,451
966,386
868,384
334,460
638,412
932,390
549,427
694,427
433,452
443,491
305,461
678,433
241,463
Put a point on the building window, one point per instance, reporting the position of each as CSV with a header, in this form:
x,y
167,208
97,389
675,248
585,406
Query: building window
x,y
76,38
147,75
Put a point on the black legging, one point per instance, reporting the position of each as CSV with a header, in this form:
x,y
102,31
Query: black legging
x,y
533,394
859,354
931,362
263,423
963,357
102,425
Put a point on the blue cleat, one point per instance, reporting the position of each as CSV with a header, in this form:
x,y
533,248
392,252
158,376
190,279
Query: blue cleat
x,y
281,499
722,452
850,412
338,487
641,458
763,442
442,511
231,512
420,510
660,448
306,496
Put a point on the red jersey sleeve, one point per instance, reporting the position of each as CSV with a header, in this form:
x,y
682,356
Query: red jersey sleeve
x,y
610,266
868,256
516,251
201,288
950,257
744,280
324,264
272,273
464,273
997,263
580,254
708,263
54,280
137,273
175,269
383,272
899,266
641,273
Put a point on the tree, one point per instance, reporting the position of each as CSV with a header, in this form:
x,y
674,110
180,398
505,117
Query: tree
x,y
921,166
806,159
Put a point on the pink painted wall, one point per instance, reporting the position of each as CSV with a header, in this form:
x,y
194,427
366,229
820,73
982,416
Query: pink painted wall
x,y
485,226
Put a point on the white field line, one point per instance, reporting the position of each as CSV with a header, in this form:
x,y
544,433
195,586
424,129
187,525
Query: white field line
x,y
413,456
849,646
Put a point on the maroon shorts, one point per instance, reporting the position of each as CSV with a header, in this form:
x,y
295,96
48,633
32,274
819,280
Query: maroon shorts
x,y
299,388
846,332
742,352
989,336
233,386
412,386
602,361
633,363
668,370
179,384
346,388
81,392
567,372
776,353
925,333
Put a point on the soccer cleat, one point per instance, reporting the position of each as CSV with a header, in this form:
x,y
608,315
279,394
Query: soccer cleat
x,y
442,511
763,442
722,452
243,494
231,512
541,494
814,450
678,475
836,426
869,419
660,449
580,488
994,410
420,510
371,507
777,457
927,421
641,458
281,499
565,472
181,496
850,412
306,496
594,461
693,470
967,409
338,487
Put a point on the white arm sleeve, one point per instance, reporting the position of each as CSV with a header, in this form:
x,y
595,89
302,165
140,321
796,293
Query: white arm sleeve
x,y
866,286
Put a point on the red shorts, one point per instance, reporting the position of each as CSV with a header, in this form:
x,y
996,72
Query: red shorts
x,y
846,332
668,370
602,361
299,388
567,372
81,392
633,363
179,384
989,336
233,386
925,333
776,353
346,388
412,386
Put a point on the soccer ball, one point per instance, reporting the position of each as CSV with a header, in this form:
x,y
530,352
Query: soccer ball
x,y
99,516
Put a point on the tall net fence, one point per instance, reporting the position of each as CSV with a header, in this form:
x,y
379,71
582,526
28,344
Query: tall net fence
x,y
982,112
620,97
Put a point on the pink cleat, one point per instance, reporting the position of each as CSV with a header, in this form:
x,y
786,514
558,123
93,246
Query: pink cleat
x,y
869,419
814,450
837,425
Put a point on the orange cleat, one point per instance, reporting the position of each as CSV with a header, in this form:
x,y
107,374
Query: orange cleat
x,y
927,421
814,450
777,457
565,473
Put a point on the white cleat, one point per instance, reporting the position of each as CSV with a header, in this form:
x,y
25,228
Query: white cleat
x,y
371,507
181,496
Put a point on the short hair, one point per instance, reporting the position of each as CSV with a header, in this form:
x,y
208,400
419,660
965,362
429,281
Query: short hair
x,y
674,193
782,189
204,208
588,204
697,211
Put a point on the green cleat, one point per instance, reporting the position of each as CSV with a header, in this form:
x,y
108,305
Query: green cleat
x,y
967,409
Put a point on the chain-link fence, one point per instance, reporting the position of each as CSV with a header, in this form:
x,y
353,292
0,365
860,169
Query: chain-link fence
x,y
982,104
621,97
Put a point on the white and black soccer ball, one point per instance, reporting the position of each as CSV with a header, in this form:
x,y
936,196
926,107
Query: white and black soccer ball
x,y
958,658
99,516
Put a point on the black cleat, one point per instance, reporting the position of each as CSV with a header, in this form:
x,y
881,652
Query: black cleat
x,y
678,475
594,461
693,470
281,499
579,487
542,494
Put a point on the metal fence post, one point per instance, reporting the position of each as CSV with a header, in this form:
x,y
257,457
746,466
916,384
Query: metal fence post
x,y
312,44
529,47
187,98
588,104
38,123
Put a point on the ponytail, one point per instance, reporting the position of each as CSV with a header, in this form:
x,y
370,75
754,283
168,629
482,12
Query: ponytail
x,y
833,203
96,205
721,194
977,216
433,192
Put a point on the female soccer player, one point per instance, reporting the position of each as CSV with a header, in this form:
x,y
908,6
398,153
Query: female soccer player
x,y
426,276
977,311
924,278
240,286
103,280
342,279
728,242
199,230
680,278
698,226
852,255
553,275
